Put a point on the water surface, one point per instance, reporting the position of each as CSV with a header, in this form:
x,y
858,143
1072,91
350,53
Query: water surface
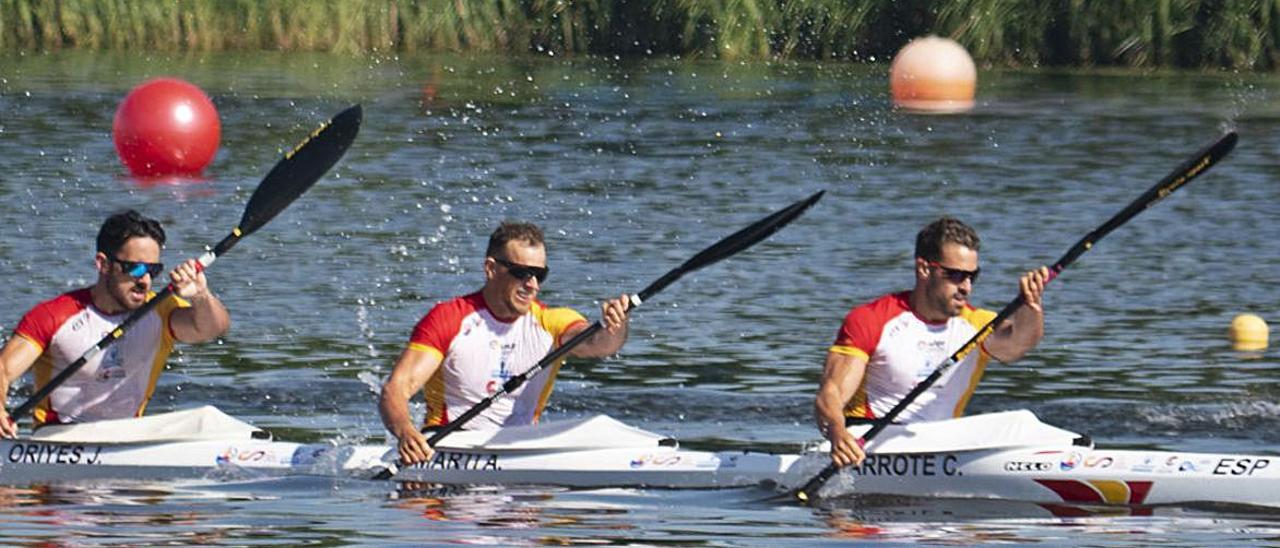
x,y
632,167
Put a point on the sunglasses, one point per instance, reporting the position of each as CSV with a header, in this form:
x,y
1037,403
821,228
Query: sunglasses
x,y
522,272
957,276
139,269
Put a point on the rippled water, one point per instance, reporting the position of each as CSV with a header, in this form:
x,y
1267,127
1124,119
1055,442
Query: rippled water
x,y
632,167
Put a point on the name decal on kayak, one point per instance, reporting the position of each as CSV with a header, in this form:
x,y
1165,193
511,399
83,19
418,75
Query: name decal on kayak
x,y
51,453
460,461
1231,466
909,465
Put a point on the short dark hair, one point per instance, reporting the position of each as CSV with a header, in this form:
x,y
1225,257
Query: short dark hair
x,y
945,230
511,230
118,228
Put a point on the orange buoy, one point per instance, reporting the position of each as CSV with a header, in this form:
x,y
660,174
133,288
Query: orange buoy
x,y
933,74
165,127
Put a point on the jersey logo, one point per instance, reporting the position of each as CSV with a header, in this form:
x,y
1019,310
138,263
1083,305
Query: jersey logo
x,y
79,322
504,372
111,366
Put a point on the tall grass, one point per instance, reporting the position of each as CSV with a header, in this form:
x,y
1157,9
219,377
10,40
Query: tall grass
x,y
1138,33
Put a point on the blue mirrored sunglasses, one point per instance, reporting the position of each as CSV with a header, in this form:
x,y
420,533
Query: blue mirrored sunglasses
x,y
138,269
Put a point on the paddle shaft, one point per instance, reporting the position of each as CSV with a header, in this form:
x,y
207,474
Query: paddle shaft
x,y
1185,172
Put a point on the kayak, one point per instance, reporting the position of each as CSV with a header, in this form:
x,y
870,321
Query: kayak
x,y
1009,456
1013,456
592,452
197,443
205,443
1001,456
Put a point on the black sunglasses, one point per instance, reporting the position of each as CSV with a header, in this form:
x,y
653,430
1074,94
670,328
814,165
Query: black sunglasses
x,y
957,276
522,272
138,269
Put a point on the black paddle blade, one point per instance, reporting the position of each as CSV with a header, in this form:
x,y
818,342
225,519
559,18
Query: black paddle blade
x,y
1194,166
1183,174
300,168
734,243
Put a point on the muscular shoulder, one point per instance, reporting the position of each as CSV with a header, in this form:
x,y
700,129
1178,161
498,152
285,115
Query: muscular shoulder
x,y
881,310
71,301
457,307
43,320
977,317
441,323
859,335
556,320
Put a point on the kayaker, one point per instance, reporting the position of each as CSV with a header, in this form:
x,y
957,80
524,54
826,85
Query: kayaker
x,y
117,382
467,347
887,346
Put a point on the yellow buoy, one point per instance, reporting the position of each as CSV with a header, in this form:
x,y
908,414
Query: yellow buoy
x,y
933,74
1248,332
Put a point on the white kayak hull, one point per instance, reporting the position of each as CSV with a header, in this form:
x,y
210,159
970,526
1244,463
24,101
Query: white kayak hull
x,y
1002,456
24,461
1013,456
1071,475
1049,475
195,443
666,467
592,452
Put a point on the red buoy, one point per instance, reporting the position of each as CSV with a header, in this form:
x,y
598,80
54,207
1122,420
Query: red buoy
x,y
166,127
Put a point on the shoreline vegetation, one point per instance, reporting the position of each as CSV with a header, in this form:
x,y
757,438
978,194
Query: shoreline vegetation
x,y
1230,34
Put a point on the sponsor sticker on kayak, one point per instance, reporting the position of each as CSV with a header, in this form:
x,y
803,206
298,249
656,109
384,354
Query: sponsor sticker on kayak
x,y
308,456
1073,460
1099,461
238,456
665,460
1027,466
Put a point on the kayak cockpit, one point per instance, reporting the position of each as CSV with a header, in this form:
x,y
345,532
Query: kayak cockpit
x,y
201,423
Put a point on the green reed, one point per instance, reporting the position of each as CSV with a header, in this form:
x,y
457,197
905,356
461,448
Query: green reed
x,y
1136,33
